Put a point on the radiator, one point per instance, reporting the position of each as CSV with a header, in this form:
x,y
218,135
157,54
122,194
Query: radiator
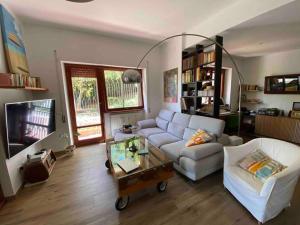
x,y
118,120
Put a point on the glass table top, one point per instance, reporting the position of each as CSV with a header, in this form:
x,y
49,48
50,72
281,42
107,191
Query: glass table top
x,y
146,156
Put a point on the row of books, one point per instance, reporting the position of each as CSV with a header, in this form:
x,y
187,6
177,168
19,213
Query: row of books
x,y
188,63
201,75
203,58
206,57
188,76
19,80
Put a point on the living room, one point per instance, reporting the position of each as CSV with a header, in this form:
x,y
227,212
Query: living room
x,y
61,36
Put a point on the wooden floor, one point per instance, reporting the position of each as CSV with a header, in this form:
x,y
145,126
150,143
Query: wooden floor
x,y
80,191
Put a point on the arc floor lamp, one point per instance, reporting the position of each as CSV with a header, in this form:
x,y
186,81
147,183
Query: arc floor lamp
x,y
132,75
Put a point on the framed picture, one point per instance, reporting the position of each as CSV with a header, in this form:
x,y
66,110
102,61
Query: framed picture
x,y
282,84
171,86
13,43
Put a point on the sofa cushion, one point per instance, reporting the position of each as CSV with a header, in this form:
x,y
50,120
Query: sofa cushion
x,y
166,114
149,131
176,130
181,119
188,133
146,123
197,152
161,123
172,150
162,139
211,125
179,122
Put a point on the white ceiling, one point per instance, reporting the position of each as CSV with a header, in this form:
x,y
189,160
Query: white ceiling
x,y
275,31
149,19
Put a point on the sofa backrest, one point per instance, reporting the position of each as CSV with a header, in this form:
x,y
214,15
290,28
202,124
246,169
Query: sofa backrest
x,y
163,118
178,124
166,114
211,125
188,133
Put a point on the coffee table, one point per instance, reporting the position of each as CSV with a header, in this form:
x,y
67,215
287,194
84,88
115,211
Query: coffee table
x,y
155,168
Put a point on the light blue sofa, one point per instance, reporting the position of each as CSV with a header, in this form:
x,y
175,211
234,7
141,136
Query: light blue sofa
x,y
170,131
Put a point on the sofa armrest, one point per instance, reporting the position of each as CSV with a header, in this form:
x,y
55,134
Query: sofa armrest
x,y
198,152
280,180
149,123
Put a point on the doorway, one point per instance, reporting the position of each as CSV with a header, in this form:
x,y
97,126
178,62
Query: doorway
x,y
85,101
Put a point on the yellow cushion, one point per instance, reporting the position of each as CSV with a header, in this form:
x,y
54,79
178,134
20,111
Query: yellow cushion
x,y
200,137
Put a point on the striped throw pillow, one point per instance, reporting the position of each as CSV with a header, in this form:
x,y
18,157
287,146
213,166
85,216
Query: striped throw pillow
x,y
260,165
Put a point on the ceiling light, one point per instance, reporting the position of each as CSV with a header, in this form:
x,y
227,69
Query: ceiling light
x,y
80,1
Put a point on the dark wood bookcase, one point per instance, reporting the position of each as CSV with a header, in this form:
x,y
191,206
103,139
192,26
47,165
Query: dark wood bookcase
x,y
201,79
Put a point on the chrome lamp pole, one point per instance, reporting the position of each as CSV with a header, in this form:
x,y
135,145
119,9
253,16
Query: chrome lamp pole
x,y
137,76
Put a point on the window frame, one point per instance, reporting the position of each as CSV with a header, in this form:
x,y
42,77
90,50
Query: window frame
x,y
123,109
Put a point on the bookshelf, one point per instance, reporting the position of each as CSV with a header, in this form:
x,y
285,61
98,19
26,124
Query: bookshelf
x,y
17,81
201,79
249,94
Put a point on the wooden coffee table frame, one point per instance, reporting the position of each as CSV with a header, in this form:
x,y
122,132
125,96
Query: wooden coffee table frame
x,y
141,179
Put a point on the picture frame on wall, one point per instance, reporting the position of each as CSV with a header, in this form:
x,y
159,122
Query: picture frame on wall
x,y
171,86
282,84
13,43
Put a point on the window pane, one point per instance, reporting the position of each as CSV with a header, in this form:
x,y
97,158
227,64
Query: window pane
x,y
89,132
86,101
120,95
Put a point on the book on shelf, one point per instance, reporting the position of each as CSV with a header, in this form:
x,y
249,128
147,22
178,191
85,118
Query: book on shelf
x,y
188,63
198,74
19,80
5,79
188,76
206,57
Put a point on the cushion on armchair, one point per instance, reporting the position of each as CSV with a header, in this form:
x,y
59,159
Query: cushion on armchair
x,y
260,165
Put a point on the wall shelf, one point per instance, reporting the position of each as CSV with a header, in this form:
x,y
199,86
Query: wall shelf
x,y
20,81
253,91
24,88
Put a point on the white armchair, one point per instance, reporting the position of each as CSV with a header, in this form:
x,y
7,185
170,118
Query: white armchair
x,y
264,200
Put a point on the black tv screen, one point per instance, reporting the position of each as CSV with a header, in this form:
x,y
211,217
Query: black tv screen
x,y
28,123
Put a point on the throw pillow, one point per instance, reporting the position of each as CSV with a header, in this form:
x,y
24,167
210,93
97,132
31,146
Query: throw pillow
x,y
200,137
260,165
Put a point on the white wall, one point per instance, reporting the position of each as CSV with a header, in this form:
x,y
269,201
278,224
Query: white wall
x,y
10,176
171,58
256,68
234,85
84,47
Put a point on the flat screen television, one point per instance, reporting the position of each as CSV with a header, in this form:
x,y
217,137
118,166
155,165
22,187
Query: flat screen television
x,y
28,123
